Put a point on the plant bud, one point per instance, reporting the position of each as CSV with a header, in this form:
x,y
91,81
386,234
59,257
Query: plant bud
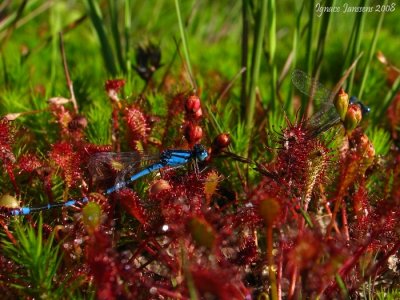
x,y
193,107
9,201
221,141
198,114
367,149
269,209
192,104
58,100
353,117
202,232
112,88
114,84
92,215
193,133
12,116
158,186
342,104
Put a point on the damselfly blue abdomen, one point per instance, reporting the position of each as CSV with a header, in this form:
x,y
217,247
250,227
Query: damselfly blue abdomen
x,y
167,158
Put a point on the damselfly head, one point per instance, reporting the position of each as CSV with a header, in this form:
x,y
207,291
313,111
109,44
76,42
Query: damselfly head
x,y
364,108
200,152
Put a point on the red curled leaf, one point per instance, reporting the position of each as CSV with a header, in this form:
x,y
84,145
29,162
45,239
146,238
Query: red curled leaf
x,y
68,161
114,84
131,203
6,139
222,283
29,163
138,127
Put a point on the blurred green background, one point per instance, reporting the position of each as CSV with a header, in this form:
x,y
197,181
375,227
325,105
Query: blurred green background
x,y
101,38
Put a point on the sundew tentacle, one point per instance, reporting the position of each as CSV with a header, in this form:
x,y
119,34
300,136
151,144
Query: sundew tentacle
x,y
317,165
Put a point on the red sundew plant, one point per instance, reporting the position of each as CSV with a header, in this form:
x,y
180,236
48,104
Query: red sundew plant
x,y
138,127
6,155
151,189
290,234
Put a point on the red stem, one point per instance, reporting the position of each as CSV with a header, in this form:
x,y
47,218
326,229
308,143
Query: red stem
x,y
8,233
345,223
270,259
279,272
115,129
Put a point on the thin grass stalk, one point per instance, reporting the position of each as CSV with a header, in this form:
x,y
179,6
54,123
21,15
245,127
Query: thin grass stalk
x,y
309,52
389,96
295,49
127,31
16,20
4,5
245,54
350,45
185,269
185,44
371,52
342,286
319,54
117,37
322,37
255,70
4,70
310,32
359,27
98,23
54,22
67,76
272,49
10,23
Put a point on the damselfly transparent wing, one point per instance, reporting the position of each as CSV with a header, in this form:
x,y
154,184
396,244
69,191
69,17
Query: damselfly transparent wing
x,y
110,165
106,165
308,86
326,115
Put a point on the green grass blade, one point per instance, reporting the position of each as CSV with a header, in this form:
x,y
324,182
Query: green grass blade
x,y
272,49
255,68
295,50
371,52
127,31
358,30
387,100
116,34
244,55
342,286
98,23
185,44
310,32
323,33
